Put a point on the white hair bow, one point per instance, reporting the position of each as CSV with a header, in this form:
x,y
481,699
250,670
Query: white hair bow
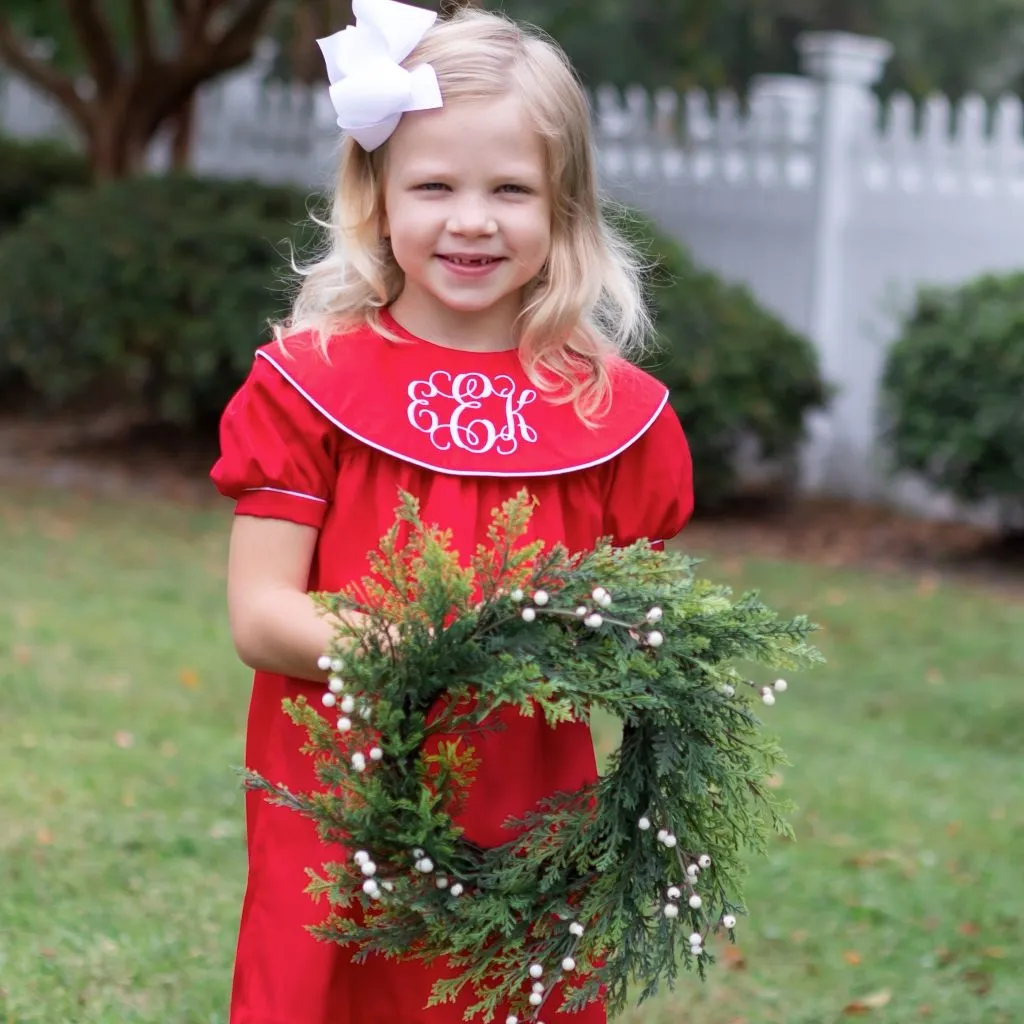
x,y
370,90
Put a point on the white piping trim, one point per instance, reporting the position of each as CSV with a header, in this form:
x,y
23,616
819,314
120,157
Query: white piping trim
x,y
459,472
291,494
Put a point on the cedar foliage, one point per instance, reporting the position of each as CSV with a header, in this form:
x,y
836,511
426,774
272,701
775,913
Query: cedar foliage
x,y
444,644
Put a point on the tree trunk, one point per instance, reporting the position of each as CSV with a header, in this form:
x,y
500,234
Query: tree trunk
x,y
183,129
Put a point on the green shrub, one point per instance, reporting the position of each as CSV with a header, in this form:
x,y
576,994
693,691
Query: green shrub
x,y
952,395
30,172
740,379
151,293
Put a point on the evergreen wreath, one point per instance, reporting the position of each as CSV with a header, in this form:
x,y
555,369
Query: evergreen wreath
x,y
621,882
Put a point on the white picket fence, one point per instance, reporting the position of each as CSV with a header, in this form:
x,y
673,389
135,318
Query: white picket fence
x,y
832,206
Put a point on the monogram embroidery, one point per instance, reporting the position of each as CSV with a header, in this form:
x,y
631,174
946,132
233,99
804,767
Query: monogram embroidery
x,y
450,410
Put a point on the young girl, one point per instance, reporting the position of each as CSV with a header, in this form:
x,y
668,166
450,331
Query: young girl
x,y
460,340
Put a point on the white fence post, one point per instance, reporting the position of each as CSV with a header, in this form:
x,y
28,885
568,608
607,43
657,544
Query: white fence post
x,y
845,67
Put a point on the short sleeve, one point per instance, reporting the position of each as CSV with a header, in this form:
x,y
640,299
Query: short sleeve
x,y
278,453
651,488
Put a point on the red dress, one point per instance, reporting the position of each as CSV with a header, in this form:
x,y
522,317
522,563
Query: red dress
x,y
329,444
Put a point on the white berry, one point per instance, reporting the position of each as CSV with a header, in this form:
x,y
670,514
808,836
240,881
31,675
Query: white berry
x,y
598,594
348,703
337,665
693,871
425,865
335,684
729,921
370,887
581,611
538,986
344,724
606,601
536,999
674,892
654,615
568,964
529,614
670,910
457,889
576,929
781,685
644,824
670,841
323,662
540,598
360,857
417,853
369,868
655,639
517,595
695,901
442,882
697,950
704,860
536,970
593,620
390,886
767,696
359,762
696,939
512,1019
376,753
329,700
662,834
729,690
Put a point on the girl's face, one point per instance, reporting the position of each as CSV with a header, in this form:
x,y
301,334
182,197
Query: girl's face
x,y
467,206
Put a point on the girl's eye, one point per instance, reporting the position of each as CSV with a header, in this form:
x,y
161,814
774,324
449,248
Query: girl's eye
x,y
431,186
515,189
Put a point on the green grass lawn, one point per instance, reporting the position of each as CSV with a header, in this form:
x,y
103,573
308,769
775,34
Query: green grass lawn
x,y
121,844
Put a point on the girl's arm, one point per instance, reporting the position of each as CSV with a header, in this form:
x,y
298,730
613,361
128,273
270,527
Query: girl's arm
x,y
275,624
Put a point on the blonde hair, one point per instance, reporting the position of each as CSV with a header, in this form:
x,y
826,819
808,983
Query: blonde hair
x,y
587,303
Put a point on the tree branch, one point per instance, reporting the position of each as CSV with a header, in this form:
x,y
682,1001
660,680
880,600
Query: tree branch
x,y
142,32
201,59
97,43
236,42
42,74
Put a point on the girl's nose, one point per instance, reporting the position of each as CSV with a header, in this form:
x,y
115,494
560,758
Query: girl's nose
x,y
472,217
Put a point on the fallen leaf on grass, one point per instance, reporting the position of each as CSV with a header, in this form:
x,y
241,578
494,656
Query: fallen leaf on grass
x,y
874,1001
852,957
994,953
189,678
44,837
980,982
968,928
22,654
124,739
732,958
